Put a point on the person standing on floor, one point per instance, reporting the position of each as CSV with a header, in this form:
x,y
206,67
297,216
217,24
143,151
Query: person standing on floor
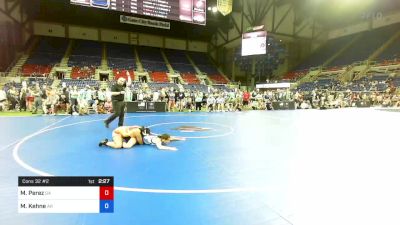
x,y
118,100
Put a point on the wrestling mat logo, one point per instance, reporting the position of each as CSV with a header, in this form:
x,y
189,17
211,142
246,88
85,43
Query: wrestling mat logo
x,y
191,129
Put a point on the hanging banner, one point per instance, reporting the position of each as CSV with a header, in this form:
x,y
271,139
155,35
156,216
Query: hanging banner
x,y
145,22
224,6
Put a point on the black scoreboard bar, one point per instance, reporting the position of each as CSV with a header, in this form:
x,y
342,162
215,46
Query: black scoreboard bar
x,y
65,181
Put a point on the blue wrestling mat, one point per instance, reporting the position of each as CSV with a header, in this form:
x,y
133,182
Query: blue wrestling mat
x,y
258,167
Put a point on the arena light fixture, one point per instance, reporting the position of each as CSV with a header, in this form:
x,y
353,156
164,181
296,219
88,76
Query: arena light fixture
x,y
224,6
214,9
344,4
200,4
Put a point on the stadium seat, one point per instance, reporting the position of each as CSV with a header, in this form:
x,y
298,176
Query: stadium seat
x,y
86,54
179,61
190,78
204,64
82,73
34,69
48,53
218,79
152,59
159,77
120,56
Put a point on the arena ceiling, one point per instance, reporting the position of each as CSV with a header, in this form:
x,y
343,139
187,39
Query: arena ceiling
x,y
339,13
61,11
329,14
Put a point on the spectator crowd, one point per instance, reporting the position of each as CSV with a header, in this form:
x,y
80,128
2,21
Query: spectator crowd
x,y
43,98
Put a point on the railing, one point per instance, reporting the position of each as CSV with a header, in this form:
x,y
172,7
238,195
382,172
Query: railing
x,y
395,61
12,64
8,74
316,68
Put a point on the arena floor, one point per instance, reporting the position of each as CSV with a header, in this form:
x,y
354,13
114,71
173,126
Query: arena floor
x,y
258,167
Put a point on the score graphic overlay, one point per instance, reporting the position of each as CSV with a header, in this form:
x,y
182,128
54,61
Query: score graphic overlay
x,y
190,11
254,43
65,194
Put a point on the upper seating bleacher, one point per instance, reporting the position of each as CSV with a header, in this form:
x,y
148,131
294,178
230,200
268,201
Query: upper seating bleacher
x,y
121,59
368,44
391,52
204,64
120,56
181,64
360,50
86,53
152,66
152,59
321,55
48,53
318,58
183,68
179,61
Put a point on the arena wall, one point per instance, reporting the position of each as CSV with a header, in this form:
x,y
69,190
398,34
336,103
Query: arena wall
x,y
106,35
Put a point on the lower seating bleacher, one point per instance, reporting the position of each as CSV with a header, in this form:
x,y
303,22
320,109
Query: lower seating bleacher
x,y
159,77
158,86
218,79
135,85
80,83
379,77
221,87
375,82
190,78
196,87
41,81
29,69
295,75
82,73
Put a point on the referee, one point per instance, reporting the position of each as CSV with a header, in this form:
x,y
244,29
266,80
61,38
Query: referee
x,y
118,103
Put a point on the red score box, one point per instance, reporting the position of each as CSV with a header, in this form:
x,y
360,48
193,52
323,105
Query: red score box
x,y
106,193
